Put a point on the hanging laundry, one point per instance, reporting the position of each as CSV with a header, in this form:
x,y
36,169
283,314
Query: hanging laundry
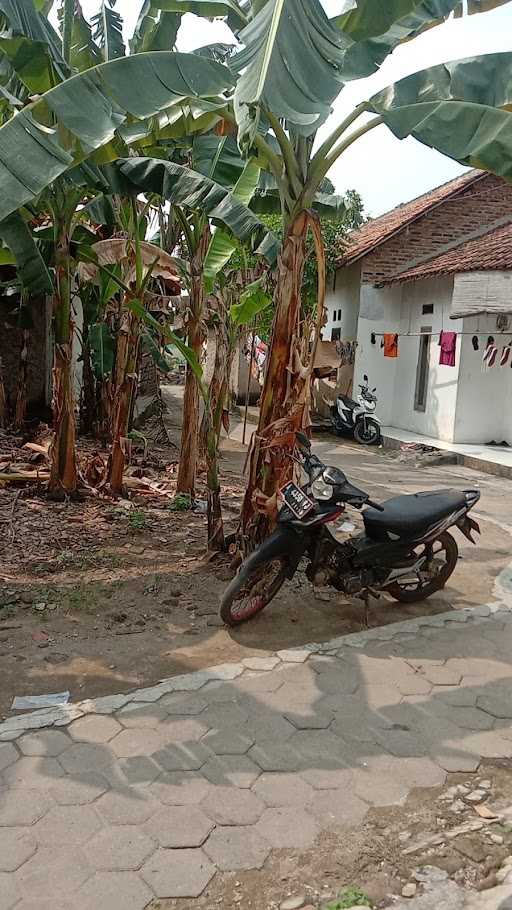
x,y
373,338
475,342
490,353
448,345
505,354
390,344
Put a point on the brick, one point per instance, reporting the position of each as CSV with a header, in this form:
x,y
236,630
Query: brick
x,y
180,788
79,789
119,849
237,848
94,729
178,873
53,873
66,825
231,770
16,847
287,827
128,807
231,806
43,742
228,741
115,890
336,808
86,757
283,790
179,826
131,743
23,807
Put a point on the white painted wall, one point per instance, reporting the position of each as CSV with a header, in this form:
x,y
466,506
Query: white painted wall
x,y
484,401
379,312
342,299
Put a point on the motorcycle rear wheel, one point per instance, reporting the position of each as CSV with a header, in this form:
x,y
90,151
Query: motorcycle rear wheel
x,y
445,547
249,594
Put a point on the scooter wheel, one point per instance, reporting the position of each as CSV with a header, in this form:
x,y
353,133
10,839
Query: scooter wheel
x,y
369,435
250,592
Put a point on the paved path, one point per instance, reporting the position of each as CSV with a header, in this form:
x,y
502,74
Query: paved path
x,y
147,795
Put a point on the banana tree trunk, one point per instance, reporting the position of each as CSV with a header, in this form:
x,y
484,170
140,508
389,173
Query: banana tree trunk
x,y
63,473
3,398
88,412
21,397
216,540
285,397
219,384
124,388
186,483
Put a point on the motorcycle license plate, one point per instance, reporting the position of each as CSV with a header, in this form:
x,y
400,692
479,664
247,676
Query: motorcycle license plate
x,y
296,500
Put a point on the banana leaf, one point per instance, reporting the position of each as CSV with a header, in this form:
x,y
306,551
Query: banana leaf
x,y
102,345
222,244
472,134
155,30
31,45
291,65
208,9
32,272
229,164
84,53
377,28
108,31
253,301
88,109
182,186
150,345
481,80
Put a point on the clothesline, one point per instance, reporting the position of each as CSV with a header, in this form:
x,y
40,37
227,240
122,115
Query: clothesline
x,y
419,334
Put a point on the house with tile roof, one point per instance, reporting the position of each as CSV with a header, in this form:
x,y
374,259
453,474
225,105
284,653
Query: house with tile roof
x,y
441,263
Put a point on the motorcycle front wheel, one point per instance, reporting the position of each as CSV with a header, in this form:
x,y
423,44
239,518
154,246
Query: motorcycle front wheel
x,y
250,592
367,432
442,555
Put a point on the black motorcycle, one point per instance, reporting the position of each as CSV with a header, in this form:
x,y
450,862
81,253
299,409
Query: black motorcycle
x,y
406,549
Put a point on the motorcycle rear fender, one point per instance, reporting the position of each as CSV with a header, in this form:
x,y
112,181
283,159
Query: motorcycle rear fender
x,y
466,525
283,542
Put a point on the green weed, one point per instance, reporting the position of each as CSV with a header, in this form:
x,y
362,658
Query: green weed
x,y
350,897
137,520
181,503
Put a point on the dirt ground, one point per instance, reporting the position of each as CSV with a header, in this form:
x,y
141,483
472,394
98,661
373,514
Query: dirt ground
x,y
379,856
100,597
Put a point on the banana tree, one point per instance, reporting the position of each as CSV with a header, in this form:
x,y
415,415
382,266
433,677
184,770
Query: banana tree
x,y
293,64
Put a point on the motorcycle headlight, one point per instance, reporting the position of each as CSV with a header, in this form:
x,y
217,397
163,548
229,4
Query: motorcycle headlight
x,y
321,490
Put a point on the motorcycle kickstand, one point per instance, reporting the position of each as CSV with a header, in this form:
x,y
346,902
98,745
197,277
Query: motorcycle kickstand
x,y
365,597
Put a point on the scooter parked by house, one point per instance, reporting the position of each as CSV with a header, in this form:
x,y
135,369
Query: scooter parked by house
x,y
357,418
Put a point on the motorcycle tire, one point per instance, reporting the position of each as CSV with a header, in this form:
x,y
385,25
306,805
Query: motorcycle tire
x,y
369,435
258,588
422,591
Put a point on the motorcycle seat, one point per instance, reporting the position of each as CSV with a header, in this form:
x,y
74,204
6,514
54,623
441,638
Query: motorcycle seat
x,y
411,516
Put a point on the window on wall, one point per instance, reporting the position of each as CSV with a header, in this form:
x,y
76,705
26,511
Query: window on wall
x,y
339,315
420,395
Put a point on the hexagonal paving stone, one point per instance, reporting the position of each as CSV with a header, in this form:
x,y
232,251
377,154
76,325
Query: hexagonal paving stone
x,y
268,727
127,807
119,849
78,790
259,684
335,808
378,789
66,825
44,742
23,807
16,846
9,893
86,757
115,890
317,744
228,741
141,717
53,873
443,676
283,790
275,756
231,806
400,742
328,778
180,788
96,728
472,719
496,703
8,755
183,703
414,685
179,826
182,756
455,759
139,770
285,827
179,730
227,714
131,743
237,848
178,873
32,773
315,720
231,770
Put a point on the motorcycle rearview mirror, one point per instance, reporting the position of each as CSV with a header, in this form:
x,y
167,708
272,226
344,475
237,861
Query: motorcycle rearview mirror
x,y
303,441
365,377
375,389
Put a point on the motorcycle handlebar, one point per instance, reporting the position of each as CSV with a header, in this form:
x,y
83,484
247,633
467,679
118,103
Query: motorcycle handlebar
x,y
374,505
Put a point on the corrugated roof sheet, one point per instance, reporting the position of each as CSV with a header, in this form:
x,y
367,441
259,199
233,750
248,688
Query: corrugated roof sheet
x,y
488,252
372,234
